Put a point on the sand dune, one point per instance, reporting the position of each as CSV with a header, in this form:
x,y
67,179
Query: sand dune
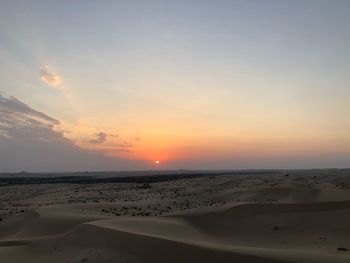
x,y
244,231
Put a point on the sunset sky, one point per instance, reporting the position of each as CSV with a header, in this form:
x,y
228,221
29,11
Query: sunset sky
x,y
110,85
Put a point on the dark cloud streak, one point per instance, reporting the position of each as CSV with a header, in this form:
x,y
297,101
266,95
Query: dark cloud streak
x,y
29,141
101,137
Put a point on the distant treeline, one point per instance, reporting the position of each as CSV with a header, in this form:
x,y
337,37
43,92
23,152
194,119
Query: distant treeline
x,y
122,179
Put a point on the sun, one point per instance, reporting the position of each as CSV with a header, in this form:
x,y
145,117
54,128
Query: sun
x,y
157,162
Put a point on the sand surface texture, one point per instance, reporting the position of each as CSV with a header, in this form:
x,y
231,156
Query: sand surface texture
x,y
275,216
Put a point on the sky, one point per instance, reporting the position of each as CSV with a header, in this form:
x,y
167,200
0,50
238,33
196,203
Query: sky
x,y
119,85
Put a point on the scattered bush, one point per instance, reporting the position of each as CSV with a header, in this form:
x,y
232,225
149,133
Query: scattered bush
x,y
145,186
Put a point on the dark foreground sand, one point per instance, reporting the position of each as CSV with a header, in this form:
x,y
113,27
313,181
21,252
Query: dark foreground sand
x,y
277,216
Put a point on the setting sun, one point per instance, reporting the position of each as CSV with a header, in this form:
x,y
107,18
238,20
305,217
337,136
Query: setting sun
x,y
157,162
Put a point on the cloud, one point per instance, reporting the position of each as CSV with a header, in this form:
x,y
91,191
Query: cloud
x,y
101,137
32,141
18,118
50,77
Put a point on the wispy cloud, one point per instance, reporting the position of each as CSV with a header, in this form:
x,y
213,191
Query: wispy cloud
x,y
101,137
51,78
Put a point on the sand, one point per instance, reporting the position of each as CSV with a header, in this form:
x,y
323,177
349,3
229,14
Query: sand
x,y
276,216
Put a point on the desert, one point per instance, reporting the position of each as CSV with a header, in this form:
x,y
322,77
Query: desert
x,y
202,216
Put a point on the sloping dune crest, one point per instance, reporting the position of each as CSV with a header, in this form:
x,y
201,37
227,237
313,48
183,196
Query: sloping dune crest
x,y
247,233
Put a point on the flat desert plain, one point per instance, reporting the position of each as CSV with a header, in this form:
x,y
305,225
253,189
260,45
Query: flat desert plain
x,y
237,216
